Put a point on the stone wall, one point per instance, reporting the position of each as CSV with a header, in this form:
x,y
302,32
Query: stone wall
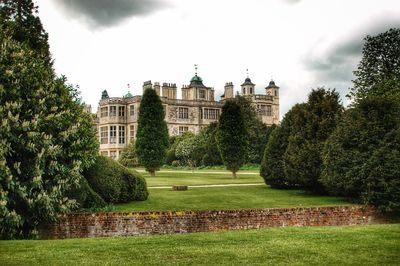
x,y
150,223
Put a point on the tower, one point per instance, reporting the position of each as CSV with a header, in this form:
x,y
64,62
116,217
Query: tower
x,y
248,86
228,90
272,89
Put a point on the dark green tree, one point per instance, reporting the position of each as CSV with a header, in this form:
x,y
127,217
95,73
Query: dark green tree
x,y
211,155
232,137
19,21
272,167
378,73
257,131
311,126
357,137
152,133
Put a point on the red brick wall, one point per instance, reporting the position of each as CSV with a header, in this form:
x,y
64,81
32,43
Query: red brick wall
x,y
149,223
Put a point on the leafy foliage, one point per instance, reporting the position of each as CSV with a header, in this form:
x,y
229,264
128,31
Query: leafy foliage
x,y
232,136
129,157
46,140
152,132
114,182
378,73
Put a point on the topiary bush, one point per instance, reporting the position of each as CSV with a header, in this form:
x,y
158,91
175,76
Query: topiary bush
x,y
114,182
85,196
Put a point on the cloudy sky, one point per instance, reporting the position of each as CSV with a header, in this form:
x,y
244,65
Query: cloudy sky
x,y
302,44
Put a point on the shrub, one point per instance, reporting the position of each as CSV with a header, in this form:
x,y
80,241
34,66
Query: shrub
x,y
114,182
85,196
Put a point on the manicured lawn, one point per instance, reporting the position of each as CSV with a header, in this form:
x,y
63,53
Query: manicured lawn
x,y
200,177
353,245
215,198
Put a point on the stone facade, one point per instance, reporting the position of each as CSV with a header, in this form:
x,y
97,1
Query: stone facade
x,y
151,223
117,116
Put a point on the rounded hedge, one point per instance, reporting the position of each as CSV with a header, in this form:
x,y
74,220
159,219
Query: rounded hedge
x,y
114,182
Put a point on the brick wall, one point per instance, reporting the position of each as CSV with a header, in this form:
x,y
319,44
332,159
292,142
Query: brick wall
x,y
149,223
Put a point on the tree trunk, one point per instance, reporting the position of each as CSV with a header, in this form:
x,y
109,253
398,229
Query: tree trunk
x,y
152,173
234,174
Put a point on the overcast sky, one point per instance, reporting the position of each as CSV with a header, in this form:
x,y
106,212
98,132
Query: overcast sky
x,y
302,44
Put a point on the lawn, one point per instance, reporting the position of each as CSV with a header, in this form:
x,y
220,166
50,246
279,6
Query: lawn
x,y
214,198
351,245
200,177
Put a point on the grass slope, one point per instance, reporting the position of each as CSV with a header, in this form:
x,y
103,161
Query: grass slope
x,y
353,245
214,198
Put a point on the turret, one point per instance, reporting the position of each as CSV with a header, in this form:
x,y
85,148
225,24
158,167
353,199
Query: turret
x,y
272,89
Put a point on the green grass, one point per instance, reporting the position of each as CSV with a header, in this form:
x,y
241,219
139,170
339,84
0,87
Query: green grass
x,y
203,177
214,198
352,245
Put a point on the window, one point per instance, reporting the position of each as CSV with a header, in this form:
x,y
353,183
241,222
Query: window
x,y
276,93
202,94
113,110
131,133
165,109
103,135
269,110
113,155
104,153
121,111
212,114
131,110
104,112
251,90
183,113
113,134
121,135
183,130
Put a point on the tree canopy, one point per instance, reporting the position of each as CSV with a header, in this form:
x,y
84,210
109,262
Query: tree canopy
x,y
378,73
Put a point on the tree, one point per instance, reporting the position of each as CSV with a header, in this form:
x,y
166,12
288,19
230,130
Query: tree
x,y
272,166
129,156
46,141
357,137
257,131
211,154
231,137
378,73
311,126
152,133
20,22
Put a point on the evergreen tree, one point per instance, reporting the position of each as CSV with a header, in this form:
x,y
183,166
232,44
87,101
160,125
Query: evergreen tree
x,y
272,166
312,125
378,73
152,133
357,137
231,137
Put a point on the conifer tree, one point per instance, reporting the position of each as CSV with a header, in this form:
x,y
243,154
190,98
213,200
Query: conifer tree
x,y
152,133
232,137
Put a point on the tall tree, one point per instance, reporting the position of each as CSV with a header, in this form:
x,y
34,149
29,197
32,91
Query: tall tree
x,y
378,73
152,133
232,137
311,127
46,140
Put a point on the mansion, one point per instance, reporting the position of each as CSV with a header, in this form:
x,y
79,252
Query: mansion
x,y
117,117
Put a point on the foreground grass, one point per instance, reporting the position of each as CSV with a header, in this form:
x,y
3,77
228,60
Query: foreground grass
x,y
353,245
200,177
217,198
